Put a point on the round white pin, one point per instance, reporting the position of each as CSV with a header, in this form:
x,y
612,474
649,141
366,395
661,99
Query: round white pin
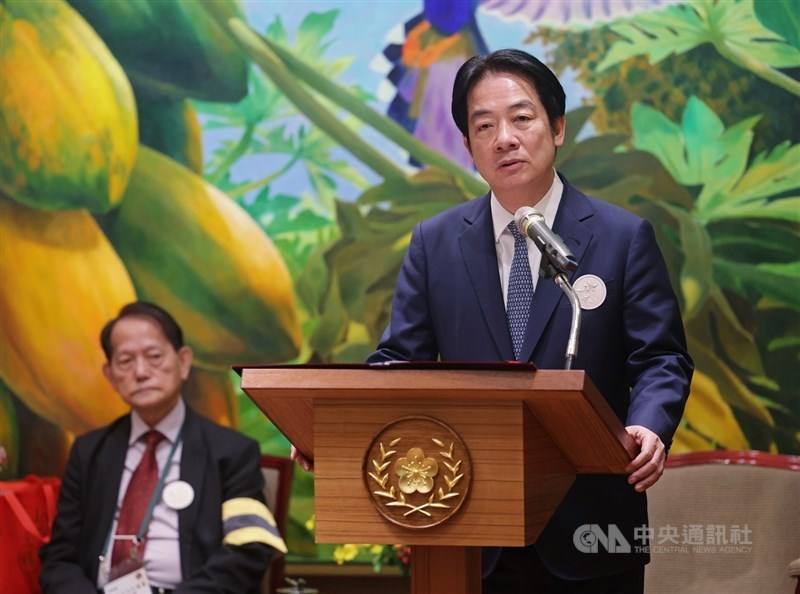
x,y
591,291
178,495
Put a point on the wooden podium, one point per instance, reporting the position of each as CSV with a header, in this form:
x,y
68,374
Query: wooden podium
x,y
520,434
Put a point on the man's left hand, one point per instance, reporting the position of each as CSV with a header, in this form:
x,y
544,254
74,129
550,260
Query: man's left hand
x,y
647,467
305,463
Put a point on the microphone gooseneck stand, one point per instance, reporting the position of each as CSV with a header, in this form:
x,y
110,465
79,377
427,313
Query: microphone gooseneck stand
x,y
548,270
557,260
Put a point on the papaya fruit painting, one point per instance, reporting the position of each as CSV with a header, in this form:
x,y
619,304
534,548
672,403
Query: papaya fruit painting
x,y
9,435
179,48
43,445
62,281
211,393
171,127
68,127
69,144
215,271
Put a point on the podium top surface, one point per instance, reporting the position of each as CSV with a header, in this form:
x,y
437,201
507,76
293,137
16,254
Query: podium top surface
x,y
495,381
405,365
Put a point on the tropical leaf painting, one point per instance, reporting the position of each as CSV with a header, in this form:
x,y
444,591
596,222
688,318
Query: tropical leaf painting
x,y
731,27
258,167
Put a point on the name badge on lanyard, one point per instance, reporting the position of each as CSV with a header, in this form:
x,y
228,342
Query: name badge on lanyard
x,y
130,576
134,582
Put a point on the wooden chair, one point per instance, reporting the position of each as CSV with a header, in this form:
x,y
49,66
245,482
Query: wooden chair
x,y
278,473
755,490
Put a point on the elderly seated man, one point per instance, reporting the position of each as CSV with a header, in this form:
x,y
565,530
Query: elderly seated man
x,y
162,499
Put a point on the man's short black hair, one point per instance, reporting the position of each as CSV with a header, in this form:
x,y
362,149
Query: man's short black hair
x,y
160,316
512,61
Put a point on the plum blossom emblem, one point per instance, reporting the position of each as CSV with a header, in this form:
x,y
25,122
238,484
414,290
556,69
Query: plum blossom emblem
x,y
416,472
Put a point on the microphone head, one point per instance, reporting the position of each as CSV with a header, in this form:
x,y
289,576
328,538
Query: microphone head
x,y
524,216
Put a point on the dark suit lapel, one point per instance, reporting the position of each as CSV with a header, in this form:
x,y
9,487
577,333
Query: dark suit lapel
x,y
193,467
571,225
105,478
480,257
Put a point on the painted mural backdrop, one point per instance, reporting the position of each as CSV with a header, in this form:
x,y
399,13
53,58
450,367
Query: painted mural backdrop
x,y
257,168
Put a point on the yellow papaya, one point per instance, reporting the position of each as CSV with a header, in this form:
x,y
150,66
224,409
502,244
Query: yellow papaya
x,y
9,435
68,135
179,48
710,415
211,393
62,281
195,252
686,440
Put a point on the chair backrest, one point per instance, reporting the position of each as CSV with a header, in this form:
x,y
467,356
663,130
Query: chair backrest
x,y
278,473
724,522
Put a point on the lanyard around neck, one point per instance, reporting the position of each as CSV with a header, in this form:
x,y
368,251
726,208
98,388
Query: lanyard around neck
x,y
159,488
154,497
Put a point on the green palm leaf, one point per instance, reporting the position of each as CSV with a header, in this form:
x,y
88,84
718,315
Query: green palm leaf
x,y
770,173
730,26
778,281
701,152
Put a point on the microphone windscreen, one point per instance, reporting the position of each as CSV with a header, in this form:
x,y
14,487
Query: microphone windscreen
x,y
524,216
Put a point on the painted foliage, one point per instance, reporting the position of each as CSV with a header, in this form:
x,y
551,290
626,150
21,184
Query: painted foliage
x,y
257,169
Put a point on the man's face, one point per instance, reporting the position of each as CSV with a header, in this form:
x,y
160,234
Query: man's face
x,y
145,369
510,137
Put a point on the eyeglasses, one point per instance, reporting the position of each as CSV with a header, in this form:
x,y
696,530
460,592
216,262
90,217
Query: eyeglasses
x,y
126,362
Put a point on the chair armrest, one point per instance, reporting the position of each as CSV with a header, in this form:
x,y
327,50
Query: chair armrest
x,y
794,568
794,571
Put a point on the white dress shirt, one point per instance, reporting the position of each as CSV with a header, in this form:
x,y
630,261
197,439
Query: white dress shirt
x,y
504,240
162,555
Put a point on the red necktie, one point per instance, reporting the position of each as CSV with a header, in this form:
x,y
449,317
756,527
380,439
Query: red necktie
x,y
137,497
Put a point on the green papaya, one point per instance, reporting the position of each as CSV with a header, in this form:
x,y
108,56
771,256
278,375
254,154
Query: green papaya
x,y
68,134
194,251
43,446
211,393
9,435
171,127
179,48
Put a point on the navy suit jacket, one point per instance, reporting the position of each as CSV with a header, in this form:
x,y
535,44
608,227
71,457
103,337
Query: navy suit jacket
x,y
448,304
218,463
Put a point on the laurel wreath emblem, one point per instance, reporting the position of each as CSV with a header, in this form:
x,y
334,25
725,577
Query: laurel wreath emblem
x,y
397,498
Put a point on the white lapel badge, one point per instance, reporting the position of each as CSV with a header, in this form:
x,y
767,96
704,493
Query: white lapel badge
x,y
591,291
178,495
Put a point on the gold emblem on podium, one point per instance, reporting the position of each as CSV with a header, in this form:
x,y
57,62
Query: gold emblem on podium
x,y
417,471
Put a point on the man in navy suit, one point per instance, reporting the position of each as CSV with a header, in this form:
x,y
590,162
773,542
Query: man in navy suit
x,y
469,290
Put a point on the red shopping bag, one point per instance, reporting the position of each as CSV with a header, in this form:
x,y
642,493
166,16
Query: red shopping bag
x,y
27,509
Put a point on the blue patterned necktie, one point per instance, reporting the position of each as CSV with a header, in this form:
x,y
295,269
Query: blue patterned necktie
x,y
520,291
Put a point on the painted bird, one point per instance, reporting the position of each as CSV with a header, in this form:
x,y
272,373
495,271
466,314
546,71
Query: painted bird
x,y
424,54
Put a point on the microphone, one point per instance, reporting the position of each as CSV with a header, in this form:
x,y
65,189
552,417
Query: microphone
x,y
531,223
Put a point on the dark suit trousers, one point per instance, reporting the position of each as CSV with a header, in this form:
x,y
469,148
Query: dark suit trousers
x,y
520,571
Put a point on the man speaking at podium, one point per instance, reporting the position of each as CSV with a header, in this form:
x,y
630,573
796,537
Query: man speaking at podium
x,y
469,290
